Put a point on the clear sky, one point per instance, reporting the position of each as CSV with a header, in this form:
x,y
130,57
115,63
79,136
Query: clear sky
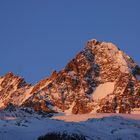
x,y
38,36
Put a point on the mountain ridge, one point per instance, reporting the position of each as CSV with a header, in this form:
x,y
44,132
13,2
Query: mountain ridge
x,y
101,78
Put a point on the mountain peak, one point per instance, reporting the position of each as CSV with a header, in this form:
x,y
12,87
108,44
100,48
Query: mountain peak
x,y
107,52
92,42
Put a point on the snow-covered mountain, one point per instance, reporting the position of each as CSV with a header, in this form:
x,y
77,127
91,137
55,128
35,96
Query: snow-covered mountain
x,y
101,78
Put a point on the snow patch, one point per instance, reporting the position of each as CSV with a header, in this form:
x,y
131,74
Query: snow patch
x,y
27,95
121,61
136,111
85,117
103,90
1,79
1,104
69,111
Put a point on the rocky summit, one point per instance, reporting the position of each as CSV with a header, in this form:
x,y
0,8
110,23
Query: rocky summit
x,y
101,78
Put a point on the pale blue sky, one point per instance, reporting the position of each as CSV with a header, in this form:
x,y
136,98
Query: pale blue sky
x,y
38,36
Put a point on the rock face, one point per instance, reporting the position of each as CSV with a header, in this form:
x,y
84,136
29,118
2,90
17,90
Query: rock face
x,y
101,78
13,89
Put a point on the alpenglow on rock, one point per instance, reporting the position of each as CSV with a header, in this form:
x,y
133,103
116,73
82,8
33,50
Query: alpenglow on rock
x,y
101,78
